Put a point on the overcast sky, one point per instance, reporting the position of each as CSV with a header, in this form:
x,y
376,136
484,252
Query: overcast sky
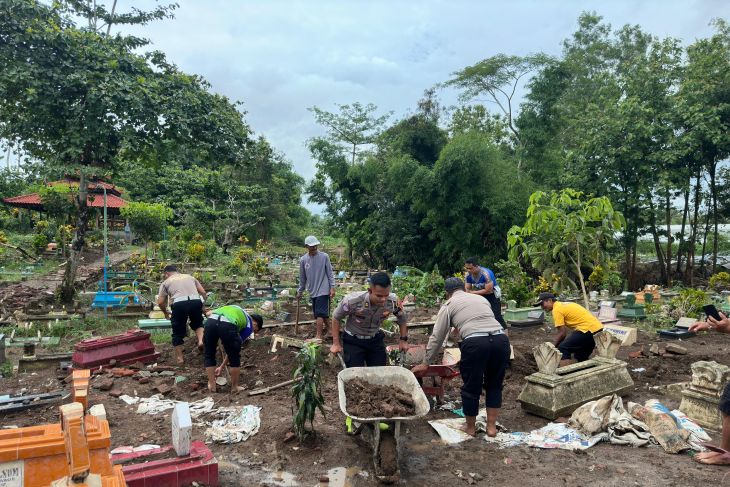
x,y
281,57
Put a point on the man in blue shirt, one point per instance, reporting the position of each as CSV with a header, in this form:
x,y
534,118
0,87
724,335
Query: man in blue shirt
x,y
481,280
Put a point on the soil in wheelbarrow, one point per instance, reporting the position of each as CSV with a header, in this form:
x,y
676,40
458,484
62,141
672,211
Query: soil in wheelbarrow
x,y
368,400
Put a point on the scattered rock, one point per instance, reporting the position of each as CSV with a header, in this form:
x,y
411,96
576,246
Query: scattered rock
x,y
163,389
144,373
144,380
289,436
113,362
676,349
636,354
323,479
194,387
115,393
167,373
654,349
104,384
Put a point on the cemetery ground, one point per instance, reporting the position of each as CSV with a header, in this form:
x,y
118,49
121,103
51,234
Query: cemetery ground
x,y
267,459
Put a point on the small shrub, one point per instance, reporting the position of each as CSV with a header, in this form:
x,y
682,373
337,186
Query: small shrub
x,y
720,281
307,392
40,242
688,303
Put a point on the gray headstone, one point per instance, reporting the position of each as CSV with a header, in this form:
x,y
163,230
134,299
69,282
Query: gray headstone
x,y
607,304
182,429
685,322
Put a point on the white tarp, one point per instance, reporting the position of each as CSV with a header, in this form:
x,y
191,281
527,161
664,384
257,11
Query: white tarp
x,y
236,425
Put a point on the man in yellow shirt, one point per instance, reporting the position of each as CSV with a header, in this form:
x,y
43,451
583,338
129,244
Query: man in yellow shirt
x,y
580,344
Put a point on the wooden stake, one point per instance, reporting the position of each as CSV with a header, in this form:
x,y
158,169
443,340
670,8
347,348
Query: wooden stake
x,y
264,390
296,321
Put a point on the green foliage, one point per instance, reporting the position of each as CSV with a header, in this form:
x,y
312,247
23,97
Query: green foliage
x,y
426,287
148,220
514,282
40,242
564,232
689,303
307,392
720,281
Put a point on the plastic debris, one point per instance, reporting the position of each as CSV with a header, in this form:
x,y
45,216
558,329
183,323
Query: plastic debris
x,y
236,425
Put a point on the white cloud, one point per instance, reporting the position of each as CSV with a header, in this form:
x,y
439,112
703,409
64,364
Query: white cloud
x,y
281,57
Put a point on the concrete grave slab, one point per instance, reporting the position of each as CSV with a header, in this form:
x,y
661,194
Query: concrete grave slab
x,y
182,429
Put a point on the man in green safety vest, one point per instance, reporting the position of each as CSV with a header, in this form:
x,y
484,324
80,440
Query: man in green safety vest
x,y
233,326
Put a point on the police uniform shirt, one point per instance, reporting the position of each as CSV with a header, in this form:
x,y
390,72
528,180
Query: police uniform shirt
x,y
364,318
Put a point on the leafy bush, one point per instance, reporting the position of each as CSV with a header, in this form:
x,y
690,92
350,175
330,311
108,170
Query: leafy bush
x,y
514,282
307,392
40,242
426,287
720,281
688,303
613,281
595,280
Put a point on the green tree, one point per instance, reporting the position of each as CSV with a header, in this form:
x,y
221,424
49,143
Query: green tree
x,y
470,199
354,126
148,220
497,77
83,101
564,233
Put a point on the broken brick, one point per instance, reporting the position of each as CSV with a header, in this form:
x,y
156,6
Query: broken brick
x,y
104,384
636,354
163,389
123,372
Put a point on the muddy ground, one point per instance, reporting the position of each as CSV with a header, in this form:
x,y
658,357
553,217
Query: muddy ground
x,y
266,459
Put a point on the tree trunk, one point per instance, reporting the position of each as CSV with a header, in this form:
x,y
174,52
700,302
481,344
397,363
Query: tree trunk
x,y
713,195
668,218
67,290
704,242
689,270
657,244
685,213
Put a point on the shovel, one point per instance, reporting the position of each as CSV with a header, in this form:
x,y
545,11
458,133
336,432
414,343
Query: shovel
x,y
296,321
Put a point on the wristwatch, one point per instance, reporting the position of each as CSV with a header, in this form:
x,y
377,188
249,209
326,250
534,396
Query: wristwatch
x,y
404,339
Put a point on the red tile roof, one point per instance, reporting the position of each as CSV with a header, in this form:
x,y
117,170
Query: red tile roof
x,y
33,200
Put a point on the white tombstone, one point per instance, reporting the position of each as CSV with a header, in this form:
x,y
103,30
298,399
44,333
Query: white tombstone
x,y
182,429
99,411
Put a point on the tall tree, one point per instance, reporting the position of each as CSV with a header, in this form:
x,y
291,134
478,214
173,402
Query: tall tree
x,y
354,126
564,233
84,101
497,78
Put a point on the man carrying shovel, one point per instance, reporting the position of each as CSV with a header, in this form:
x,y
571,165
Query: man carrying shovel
x,y
721,455
317,277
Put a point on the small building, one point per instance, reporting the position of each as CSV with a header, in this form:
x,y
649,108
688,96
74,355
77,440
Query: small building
x,y
94,199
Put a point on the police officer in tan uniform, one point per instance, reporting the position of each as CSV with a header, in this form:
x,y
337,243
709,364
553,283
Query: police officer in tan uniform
x,y
186,297
361,339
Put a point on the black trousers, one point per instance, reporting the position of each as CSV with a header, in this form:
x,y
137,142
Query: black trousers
x,y
359,352
228,334
483,364
496,305
579,345
725,400
321,306
182,311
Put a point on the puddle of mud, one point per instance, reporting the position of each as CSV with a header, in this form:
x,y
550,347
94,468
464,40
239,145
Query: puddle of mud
x,y
338,477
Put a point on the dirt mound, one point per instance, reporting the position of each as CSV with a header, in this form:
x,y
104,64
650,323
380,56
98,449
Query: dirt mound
x,y
368,400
